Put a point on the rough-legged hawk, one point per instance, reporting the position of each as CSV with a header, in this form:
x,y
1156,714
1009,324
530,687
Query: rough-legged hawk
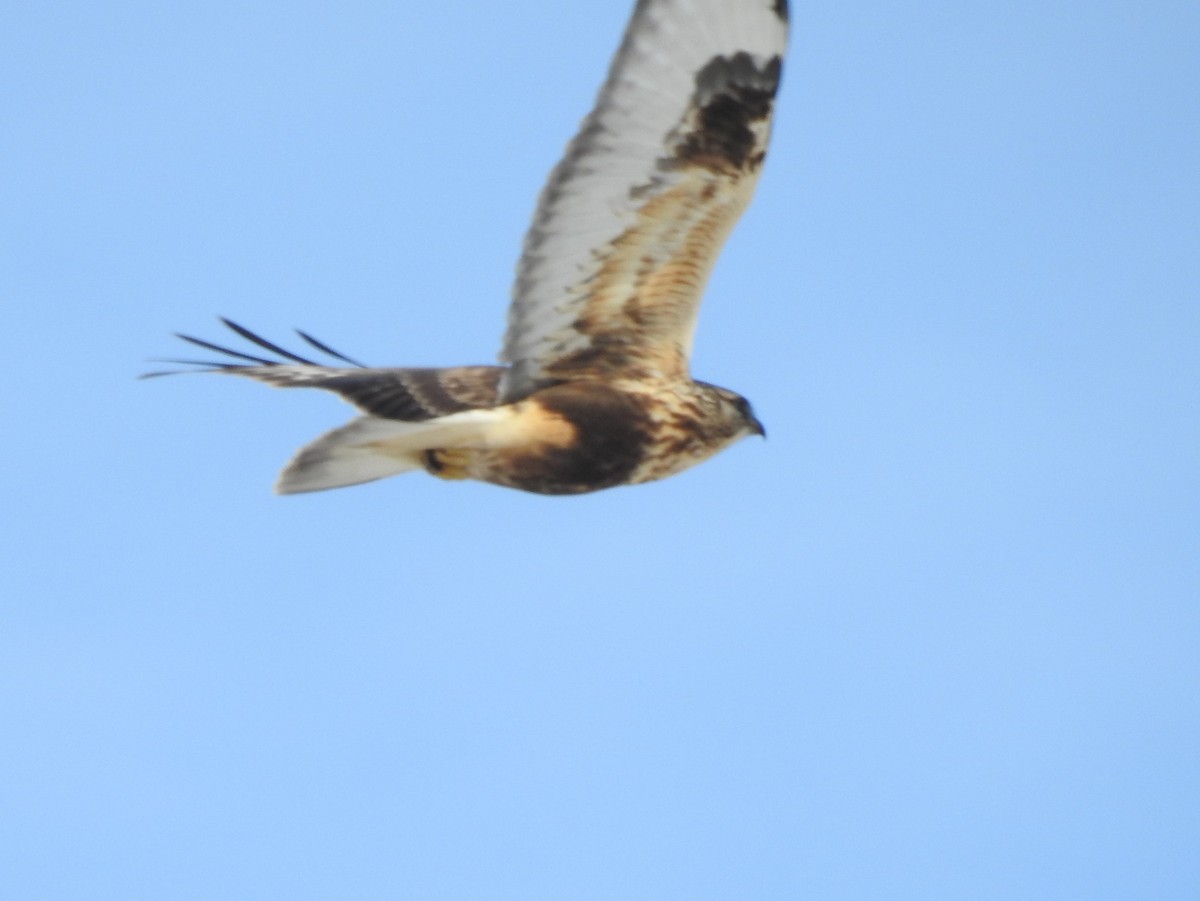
x,y
594,390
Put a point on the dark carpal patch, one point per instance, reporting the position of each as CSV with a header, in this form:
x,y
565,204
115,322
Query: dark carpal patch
x,y
732,94
612,436
781,9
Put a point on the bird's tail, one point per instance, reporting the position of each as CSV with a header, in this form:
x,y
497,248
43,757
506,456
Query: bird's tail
x,y
370,448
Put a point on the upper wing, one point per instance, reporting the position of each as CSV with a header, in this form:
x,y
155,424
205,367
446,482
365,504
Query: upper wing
x,y
412,395
631,221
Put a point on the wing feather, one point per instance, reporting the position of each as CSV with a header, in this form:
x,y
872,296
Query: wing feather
x,y
631,220
411,395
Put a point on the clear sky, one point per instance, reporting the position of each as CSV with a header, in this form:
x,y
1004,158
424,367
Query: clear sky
x,y
936,638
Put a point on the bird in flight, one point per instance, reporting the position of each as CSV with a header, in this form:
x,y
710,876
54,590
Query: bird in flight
x,y
594,388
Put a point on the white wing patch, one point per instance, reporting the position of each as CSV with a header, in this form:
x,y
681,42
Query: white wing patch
x,y
632,219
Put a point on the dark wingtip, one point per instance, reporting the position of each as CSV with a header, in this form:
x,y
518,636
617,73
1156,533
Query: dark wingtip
x,y
200,366
264,343
241,359
227,351
326,349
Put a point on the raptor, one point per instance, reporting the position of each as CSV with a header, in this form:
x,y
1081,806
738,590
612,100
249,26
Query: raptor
x,y
594,388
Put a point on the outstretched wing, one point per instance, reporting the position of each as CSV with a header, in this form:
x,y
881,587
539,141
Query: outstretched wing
x,y
630,223
412,395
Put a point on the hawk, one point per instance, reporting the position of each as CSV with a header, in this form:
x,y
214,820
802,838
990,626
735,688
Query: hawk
x,y
594,389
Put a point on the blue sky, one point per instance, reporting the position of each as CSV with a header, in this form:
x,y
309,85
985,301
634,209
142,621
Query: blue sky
x,y
935,638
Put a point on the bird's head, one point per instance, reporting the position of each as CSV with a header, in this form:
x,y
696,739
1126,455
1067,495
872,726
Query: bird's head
x,y
735,413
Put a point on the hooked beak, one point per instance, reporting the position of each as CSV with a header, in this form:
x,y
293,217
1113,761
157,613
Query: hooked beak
x,y
756,427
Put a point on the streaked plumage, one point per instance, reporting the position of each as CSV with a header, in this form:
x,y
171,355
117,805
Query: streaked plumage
x,y
595,389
